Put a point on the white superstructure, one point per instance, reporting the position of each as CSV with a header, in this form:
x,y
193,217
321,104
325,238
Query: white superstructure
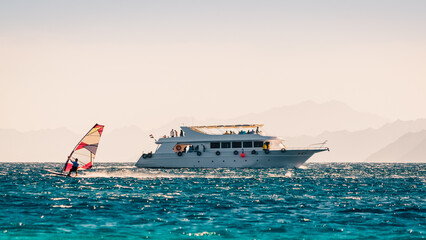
x,y
224,146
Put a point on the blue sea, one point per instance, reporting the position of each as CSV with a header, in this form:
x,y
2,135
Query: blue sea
x,y
119,201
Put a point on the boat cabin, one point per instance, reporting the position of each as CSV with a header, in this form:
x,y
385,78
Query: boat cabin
x,y
219,138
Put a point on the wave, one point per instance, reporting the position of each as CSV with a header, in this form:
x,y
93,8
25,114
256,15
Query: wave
x,y
153,175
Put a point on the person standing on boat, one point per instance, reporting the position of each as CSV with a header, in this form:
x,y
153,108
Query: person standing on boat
x,y
172,133
74,167
266,146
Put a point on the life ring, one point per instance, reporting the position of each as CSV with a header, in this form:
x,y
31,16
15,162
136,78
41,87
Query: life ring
x,y
235,152
217,153
179,154
267,151
253,152
198,153
149,155
178,147
144,155
283,150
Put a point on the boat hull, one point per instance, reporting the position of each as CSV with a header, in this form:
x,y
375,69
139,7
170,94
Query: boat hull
x,y
273,159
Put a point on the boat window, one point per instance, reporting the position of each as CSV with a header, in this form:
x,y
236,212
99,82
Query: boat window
x,y
236,144
215,145
226,144
248,144
258,144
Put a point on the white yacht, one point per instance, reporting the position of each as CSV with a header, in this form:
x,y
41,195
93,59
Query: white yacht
x,y
224,146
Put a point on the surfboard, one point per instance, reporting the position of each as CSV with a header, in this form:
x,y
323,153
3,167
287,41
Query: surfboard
x,y
55,173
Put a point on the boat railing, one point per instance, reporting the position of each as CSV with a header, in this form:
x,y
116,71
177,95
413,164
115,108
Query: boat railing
x,y
308,148
315,146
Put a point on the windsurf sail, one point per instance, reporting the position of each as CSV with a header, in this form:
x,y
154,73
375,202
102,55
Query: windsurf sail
x,y
85,150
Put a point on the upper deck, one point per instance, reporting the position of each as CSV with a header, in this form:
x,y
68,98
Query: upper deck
x,y
194,134
228,129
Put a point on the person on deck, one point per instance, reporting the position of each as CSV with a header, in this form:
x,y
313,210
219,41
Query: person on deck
x,y
266,146
74,167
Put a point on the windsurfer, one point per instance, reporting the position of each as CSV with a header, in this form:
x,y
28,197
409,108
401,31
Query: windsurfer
x,y
74,167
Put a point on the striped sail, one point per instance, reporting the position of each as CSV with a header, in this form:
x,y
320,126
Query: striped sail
x,y
85,150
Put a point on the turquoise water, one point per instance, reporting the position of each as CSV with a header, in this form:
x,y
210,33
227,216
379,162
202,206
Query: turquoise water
x,y
118,201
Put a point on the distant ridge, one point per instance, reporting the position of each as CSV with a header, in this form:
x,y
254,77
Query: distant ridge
x,y
127,144
411,147
310,118
358,146
417,154
47,145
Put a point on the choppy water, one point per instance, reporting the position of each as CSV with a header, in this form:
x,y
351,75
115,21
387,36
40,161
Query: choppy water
x,y
118,201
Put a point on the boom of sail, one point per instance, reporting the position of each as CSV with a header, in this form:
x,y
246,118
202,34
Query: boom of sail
x,y
85,150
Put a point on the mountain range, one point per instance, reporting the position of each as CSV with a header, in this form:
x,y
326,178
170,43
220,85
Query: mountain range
x,y
411,147
352,136
310,118
359,146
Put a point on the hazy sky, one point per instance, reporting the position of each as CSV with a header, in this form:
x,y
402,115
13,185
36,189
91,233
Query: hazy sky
x,y
73,63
